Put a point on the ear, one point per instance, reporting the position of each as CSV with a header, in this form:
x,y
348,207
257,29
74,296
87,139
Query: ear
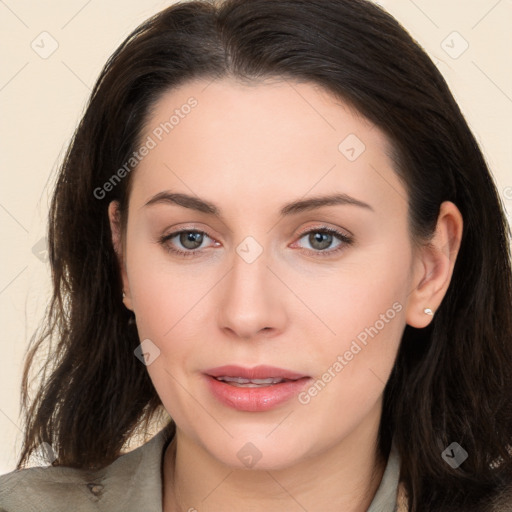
x,y
117,242
433,266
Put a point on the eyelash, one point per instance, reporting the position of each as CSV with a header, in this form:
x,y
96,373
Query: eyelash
x,y
347,241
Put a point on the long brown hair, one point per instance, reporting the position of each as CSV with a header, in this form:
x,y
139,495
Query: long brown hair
x,y
451,380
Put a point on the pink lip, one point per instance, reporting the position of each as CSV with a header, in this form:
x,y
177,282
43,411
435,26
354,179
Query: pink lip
x,y
258,372
254,399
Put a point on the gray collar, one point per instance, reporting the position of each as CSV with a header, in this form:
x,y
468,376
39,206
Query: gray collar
x,y
385,497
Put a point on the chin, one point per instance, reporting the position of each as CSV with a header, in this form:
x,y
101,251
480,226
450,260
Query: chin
x,y
260,453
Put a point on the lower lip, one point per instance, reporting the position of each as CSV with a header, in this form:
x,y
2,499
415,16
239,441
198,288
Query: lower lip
x,y
255,399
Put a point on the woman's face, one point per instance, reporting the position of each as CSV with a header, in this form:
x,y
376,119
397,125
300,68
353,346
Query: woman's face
x,y
266,280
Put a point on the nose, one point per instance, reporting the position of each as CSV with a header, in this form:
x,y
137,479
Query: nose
x,y
252,299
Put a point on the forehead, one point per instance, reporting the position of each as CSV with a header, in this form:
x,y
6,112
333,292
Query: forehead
x,y
269,138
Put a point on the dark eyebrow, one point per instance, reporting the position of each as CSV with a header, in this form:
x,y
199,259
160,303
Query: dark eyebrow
x,y
294,207
319,201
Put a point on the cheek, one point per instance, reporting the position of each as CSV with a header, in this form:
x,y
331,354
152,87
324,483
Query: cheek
x,y
165,294
354,366
365,308
358,360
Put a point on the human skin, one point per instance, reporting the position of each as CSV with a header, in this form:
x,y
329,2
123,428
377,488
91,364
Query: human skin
x,y
250,149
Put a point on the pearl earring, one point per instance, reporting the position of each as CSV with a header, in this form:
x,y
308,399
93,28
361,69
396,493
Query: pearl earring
x,y
428,311
124,295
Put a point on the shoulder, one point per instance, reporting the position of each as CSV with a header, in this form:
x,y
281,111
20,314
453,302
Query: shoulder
x,y
131,480
37,489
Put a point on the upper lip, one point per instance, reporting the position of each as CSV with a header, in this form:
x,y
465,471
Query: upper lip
x,y
257,372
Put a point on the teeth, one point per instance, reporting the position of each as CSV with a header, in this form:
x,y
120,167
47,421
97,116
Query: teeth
x,y
250,382
270,380
239,380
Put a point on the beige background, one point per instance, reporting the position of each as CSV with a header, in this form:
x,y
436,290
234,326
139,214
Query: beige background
x,y
42,97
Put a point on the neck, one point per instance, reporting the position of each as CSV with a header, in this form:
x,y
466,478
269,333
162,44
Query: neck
x,y
346,474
